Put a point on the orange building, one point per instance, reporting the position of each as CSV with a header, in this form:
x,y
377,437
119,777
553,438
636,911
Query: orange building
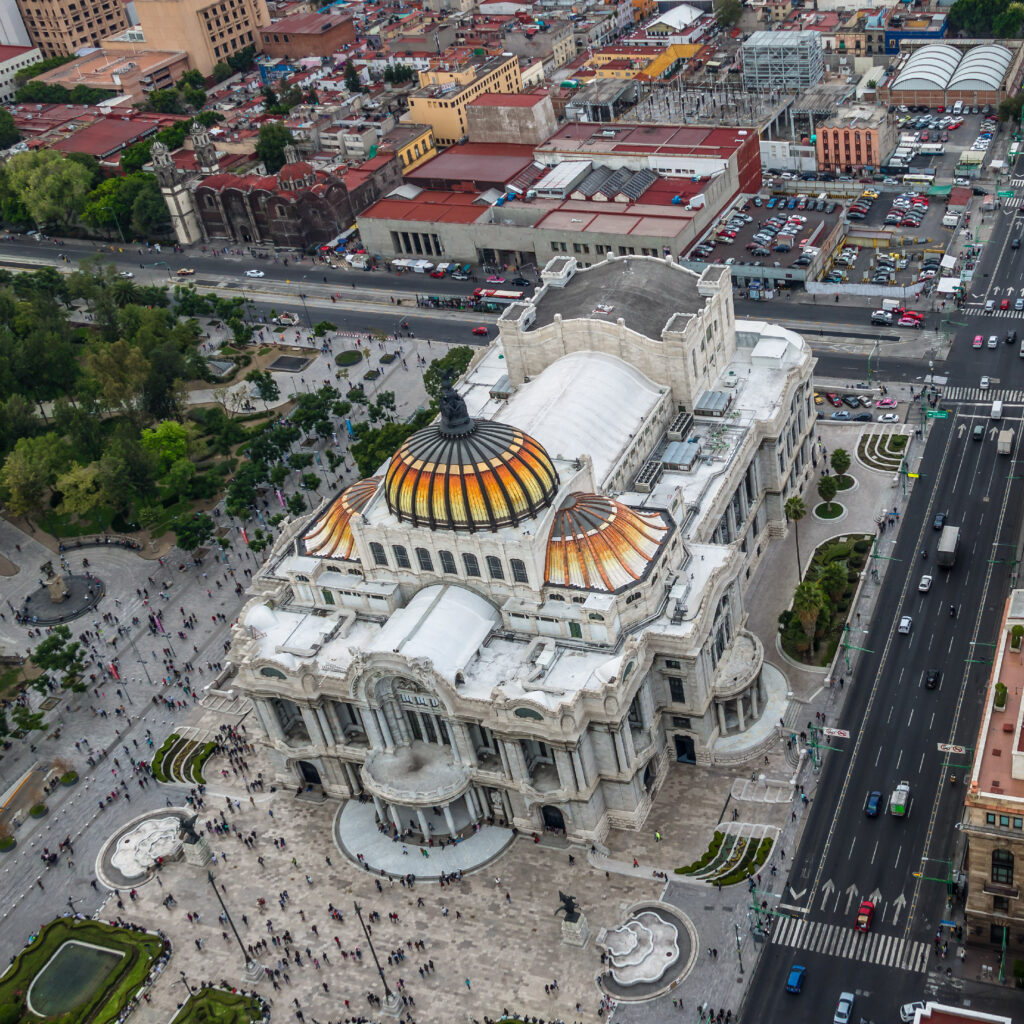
x,y
859,137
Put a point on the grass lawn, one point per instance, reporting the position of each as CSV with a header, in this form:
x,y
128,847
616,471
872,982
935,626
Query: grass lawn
x,y
214,1006
71,526
140,951
828,511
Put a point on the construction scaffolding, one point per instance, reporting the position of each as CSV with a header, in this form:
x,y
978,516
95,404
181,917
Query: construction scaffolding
x,y
787,60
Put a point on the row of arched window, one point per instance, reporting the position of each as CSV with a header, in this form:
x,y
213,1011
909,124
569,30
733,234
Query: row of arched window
x,y
470,562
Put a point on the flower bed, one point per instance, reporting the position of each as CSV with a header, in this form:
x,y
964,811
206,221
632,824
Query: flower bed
x,y
158,758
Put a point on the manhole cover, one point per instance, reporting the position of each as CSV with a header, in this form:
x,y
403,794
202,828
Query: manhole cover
x,y
50,703
290,364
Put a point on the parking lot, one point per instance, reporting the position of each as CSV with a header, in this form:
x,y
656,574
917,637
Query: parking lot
x,y
955,142
861,405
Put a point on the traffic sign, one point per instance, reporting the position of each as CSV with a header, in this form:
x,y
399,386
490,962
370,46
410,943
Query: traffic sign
x,y
936,414
1006,193
843,734
952,748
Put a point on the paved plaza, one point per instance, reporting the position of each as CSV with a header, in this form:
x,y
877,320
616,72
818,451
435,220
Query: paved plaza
x,y
496,928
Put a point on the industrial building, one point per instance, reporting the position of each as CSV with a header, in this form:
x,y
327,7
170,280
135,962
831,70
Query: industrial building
x,y
786,60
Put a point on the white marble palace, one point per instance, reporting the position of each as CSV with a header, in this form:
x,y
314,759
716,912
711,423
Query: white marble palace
x,y
537,605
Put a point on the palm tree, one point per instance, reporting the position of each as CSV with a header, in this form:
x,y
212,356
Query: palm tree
x,y
796,510
840,460
827,487
807,604
832,580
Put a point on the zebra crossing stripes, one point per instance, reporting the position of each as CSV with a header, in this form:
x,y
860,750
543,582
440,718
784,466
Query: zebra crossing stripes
x,y
849,944
1013,203
982,395
1017,314
1016,182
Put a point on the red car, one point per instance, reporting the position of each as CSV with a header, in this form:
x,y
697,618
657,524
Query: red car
x,y
833,398
480,330
437,273
864,916
1005,304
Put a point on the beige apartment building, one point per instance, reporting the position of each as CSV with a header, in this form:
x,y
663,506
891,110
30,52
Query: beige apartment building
x,y
59,28
209,32
994,820
446,90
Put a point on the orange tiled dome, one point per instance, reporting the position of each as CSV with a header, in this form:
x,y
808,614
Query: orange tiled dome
x,y
600,544
464,474
331,536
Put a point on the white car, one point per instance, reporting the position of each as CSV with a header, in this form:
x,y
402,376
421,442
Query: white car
x,y
126,273
285,320
254,273
889,417
844,1009
925,585
993,341
906,623
984,382
908,1011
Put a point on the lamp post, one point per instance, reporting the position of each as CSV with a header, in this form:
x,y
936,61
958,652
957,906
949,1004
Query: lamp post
x,y
389,996
253,970
184,981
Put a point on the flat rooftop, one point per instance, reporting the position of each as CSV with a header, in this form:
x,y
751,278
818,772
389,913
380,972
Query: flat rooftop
x,y
646,293
677,140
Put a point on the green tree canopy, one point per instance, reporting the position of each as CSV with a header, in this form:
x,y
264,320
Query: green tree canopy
x,y
274,136
52,187
193,532
456,360
9,133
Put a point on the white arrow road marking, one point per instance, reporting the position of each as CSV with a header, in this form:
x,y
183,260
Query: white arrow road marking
x,y
851,895
826,890
898,904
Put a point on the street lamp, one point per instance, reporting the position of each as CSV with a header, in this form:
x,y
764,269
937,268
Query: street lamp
x,y
389,996
184,981
253,970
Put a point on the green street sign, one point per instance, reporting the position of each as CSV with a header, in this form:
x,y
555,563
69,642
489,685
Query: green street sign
x,y
937,414
1006,193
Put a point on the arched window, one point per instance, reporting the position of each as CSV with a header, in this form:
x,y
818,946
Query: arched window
x,y
401,556
471,564
518,567
447,561
377,550
1002,867
494,569
423,557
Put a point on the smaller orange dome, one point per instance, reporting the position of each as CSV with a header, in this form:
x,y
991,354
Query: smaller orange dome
x,y
331,535
599,544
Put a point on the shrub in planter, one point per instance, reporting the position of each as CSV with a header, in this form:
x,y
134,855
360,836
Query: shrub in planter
x,y
371,375
1000,695
1015,637
389,358
852,576
69,778
349,358
862,547
855,561
38,811
7,843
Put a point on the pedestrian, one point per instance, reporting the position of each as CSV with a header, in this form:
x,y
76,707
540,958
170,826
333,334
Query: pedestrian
x,y
467,983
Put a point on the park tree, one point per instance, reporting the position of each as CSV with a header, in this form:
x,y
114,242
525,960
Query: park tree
x,y
352,82
264,385
9,133
296,504
167,442
840,459
221,71
80,490
30,470
310,482
808,602
795,511
728,12
827,488
27,720
192,532
120,370
51,187
165,101
57,652
273,138
832,579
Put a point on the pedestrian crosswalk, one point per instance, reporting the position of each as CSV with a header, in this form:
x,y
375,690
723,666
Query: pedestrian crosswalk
x,y
1013,314
848,943
1007,397
1016,182
1012,203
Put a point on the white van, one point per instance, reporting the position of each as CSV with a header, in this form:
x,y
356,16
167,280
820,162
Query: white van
x,y
950,220
997,410
958,108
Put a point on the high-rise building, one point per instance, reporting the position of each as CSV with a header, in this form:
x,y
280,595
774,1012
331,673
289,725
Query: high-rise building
x,y
60,27
12,26
209,32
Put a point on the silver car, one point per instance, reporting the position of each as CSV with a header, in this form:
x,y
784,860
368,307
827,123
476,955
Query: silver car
x,y
906,623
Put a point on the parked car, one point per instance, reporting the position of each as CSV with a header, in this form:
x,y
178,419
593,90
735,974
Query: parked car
x,y
795,978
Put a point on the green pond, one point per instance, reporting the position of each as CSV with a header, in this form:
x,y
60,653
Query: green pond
x,y
74,974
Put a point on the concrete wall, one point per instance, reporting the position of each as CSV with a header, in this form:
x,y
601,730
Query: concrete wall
x,y
511,124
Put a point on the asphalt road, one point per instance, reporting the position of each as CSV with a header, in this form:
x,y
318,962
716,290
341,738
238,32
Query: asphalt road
x,y
896,723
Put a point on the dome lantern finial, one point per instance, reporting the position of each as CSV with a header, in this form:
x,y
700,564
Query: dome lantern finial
x,y
455,419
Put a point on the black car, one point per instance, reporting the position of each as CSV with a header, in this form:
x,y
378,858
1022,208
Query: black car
x,y
520,282
939,521
932,678
1011,338
863,417
852,401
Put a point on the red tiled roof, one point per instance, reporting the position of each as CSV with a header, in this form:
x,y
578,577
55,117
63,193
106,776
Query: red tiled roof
x,y
307,24
10,52
508,99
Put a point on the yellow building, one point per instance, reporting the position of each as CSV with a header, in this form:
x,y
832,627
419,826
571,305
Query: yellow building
x,y
414,144
209,31
445,91
59,28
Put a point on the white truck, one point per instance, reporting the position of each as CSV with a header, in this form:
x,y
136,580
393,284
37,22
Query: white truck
x,y
1005,441
899,802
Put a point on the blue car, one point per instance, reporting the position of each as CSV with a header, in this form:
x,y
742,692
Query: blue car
x,y
795,981
843,414
873,804
791,205
771,203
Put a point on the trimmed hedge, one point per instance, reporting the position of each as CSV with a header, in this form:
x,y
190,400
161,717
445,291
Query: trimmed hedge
x,y
38,811
706,857
200,760
158,758
349,358
215,1005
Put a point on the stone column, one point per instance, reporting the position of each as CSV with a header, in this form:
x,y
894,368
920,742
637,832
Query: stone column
x,y
720,707
399,726
394,816
517,766
620,750
507,804
462,743
355,783
422,819
754,703
577,764
563,765
380,808
627,741
385,729
449,821
647,704
503,754
372,727
471,804
740,717
268,715
316,736
325,726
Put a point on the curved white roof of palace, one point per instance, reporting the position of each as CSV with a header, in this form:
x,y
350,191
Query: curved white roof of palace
x,y
931,67
444,623
982,67
586,403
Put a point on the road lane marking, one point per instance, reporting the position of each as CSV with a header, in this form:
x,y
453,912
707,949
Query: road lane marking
x,y
874,852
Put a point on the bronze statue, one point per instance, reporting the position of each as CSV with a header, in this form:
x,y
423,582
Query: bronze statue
x,y
188,829
569,906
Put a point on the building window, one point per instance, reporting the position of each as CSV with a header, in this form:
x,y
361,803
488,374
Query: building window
x,y
671,663
377,550
518,567
1000,903
1002,867
675,687
494,569
328,596
401,556
678,722
1004,821
471,564
575,631
423,557
447,561
990,819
